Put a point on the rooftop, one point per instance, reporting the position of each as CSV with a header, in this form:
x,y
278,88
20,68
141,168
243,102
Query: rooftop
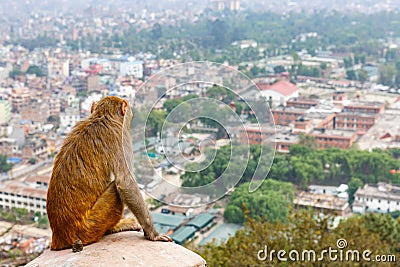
x,y
201,220
334,133
221,233
321,201
167,219
284,87
183,234
382,191
23,190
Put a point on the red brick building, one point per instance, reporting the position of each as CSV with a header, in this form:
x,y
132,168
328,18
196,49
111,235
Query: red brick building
x,y
285,116
255,135
356,121
301,102
334,138
364,107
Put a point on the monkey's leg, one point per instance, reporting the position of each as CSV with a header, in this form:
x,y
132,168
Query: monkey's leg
x,y
126,224
131,196
104,215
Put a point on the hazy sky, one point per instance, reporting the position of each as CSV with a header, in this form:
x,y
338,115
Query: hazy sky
x,y
15,8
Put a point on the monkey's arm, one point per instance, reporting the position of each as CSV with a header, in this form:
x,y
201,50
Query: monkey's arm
x,y
131,196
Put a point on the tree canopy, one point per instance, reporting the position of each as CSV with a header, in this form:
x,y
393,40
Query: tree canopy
x,y
305,230
271,202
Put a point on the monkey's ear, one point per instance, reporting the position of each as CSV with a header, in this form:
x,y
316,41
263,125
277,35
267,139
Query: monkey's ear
x,y
124,107
92,107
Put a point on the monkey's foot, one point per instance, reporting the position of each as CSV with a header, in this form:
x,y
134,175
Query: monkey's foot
x,y
77,246
126,224
160,237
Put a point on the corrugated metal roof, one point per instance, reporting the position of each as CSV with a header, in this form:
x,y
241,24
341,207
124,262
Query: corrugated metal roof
x,y
183,234
167,219
221,233
201,220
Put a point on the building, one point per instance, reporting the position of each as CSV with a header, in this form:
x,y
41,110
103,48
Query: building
x,y
93,83
221,234
183,234
280,92
54,106
300,102
325,203
30,195
381,198
5,111
302,125
364,107
339,97
132,68
334,138
355,121
37,111
165,223
20,97
202,221
69,118
255,134
283,141
285,116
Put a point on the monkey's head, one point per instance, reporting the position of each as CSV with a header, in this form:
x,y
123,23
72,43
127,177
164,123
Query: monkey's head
x,y
112,106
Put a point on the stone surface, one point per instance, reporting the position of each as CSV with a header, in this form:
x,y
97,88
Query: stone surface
x,y
122,249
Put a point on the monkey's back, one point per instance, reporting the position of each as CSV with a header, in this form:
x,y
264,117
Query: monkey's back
x,y
82,170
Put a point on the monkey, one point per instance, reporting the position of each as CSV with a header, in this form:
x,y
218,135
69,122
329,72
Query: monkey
x,y
91,182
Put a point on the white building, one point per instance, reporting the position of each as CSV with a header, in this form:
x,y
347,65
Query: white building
x,y
381,198
132,68
30,195
68,119
5,111
280,92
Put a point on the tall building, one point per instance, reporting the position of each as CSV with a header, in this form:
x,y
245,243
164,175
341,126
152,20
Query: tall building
x,y
132,68
5,111
234,5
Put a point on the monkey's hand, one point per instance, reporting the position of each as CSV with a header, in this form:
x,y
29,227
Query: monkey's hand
x,y
158,237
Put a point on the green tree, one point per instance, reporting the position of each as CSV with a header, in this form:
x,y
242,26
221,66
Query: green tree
x,y
5,166
33,69
15,72
155,122
279,69
353,184
386,74
221,93
351,75
170,104
304,230
270,202
43,222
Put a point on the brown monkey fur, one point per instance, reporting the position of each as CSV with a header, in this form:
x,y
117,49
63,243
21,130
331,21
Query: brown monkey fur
x,y
84,202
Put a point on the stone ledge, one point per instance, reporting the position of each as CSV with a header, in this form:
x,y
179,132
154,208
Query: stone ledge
x,y
122,249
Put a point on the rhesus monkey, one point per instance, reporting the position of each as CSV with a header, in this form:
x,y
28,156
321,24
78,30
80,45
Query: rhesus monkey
x,y
91,181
